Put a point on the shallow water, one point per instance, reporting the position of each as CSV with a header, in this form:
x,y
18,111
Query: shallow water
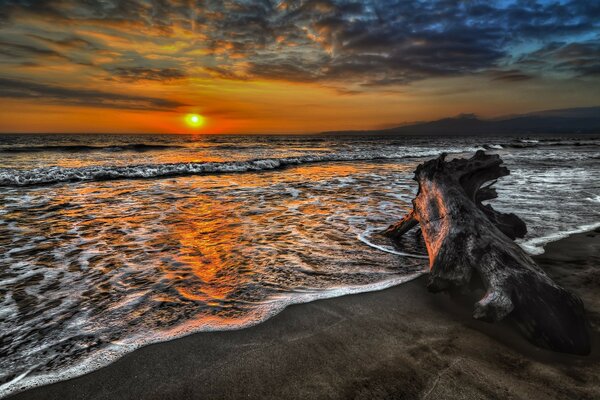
x,y
112,242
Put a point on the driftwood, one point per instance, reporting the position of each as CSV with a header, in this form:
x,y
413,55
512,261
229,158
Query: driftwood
x,y
467,241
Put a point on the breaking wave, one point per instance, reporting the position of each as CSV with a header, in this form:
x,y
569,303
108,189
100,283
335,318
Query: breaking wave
x,y
55,174
525,144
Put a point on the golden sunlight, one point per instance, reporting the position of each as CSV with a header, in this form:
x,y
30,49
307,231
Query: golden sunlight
x,y
194,120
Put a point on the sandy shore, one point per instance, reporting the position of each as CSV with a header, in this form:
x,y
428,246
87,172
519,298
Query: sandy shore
x,y
401,343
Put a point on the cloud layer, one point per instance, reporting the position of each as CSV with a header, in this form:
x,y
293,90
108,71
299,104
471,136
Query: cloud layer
x,y
350,45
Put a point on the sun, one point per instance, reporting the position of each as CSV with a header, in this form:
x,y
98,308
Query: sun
x,y
194,120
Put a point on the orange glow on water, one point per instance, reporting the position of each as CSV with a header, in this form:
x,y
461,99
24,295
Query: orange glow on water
x,y
206,252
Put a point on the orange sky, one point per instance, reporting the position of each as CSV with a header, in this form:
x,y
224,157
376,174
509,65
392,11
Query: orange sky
x,y
274,107
65,69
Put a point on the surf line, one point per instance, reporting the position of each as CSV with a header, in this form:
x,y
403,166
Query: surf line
x,y
363,238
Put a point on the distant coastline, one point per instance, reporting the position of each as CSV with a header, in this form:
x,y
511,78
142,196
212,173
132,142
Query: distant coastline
x,y
585,120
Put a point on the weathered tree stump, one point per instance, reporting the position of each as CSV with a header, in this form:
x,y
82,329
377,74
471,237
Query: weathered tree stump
x,y
466,239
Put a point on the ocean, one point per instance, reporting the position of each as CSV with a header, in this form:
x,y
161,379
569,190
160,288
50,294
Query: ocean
x,y
112,242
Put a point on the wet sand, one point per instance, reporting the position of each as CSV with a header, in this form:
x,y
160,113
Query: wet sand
x,y
400,343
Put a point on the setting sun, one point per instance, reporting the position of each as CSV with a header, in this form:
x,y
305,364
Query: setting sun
x,y
194,120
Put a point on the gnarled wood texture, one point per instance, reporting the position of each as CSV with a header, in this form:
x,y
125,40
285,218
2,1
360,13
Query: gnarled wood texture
x,y
465,238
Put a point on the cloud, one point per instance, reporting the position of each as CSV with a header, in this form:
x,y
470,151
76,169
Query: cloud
x,y
25,51
133,74
580,59
382,43
71,42
362,44
21,89
512,75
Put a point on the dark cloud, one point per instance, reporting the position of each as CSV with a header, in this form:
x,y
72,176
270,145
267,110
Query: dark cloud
x,y
71,42
133,74
512,75
580,59
26,51
20,89
40,7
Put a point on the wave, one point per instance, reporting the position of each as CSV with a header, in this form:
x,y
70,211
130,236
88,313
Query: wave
x,y
535,246
365,238
526,144
139,147
51,175
493,146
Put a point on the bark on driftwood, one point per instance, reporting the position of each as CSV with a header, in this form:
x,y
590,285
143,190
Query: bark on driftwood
x,y
466,239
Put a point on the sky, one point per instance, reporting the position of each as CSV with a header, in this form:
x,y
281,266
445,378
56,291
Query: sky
x,y
288,66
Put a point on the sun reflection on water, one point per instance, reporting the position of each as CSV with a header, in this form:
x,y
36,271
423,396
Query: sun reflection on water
x,y
123,261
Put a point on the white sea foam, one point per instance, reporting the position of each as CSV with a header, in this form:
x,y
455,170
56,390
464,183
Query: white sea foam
x,y
495,147
364,237
55,174
529,141
535,246
594,199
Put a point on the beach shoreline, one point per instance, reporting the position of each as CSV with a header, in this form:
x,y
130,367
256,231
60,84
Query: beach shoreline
x,y
401,342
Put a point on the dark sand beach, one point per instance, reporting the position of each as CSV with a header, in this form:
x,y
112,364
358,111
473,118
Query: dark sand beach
x,y
400,343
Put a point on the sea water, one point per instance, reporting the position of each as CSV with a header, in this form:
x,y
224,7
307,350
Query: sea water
x,y
111,242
